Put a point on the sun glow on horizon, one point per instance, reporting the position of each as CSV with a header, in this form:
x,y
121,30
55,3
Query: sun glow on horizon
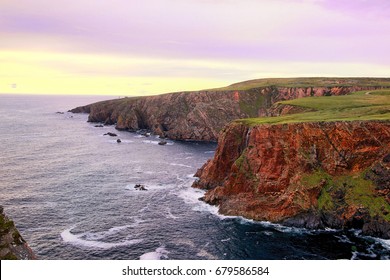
x,y
29,72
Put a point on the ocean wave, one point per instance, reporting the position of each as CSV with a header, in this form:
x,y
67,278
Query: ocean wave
x,y
151,187
158,254
384,242
154,142
170,215
181,165
92,240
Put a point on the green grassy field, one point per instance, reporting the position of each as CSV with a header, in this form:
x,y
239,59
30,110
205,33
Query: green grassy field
x,y
308,82
363,105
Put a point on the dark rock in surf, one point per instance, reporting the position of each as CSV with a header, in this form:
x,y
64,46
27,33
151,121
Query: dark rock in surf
x,y
140,187
110,134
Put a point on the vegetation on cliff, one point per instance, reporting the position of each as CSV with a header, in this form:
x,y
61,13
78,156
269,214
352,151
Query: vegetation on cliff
x,y
309,82
12,244
201,115
326,166
362,105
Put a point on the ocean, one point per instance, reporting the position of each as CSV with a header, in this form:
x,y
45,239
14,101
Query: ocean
x,y
70,190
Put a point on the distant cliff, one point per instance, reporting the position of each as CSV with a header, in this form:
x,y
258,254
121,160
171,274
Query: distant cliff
x,y
201,115
12,244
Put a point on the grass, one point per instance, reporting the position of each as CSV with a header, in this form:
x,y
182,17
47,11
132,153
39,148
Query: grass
x,y
308,82
252,107
356,106
352,189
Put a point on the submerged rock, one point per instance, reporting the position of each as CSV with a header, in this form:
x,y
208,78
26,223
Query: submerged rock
x,y
162,142
118,140
99,125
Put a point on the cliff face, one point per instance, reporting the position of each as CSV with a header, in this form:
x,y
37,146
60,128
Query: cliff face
x,y
323,174
12,244
198,115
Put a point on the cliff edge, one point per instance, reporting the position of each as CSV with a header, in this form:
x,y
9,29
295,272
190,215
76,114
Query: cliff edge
x,y
201,115
326,166
12,244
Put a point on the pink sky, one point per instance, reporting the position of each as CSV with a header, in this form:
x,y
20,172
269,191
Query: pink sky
x,y
137,45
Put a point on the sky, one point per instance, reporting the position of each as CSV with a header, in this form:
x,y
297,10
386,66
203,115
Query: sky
x,y
144,47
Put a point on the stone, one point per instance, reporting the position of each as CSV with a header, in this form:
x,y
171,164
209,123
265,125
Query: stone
x,y
110,134
140,187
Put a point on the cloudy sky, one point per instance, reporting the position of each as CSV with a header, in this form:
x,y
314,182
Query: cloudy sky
x,y
139,47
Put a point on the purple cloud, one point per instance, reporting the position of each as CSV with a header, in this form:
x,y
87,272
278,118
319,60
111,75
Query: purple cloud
x,y
280,30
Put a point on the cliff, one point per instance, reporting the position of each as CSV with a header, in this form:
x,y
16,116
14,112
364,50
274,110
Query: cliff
x,y
300,170
201,115
12,244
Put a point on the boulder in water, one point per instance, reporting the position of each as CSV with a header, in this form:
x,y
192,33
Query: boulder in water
x,y
110,134
140,187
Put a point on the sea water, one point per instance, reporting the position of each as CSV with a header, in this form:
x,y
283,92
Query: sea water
x,y
70,190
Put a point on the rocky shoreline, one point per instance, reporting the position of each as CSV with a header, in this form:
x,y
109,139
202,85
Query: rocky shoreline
x,y
312,175
12,244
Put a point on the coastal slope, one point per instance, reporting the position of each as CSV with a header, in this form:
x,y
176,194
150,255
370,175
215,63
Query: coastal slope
x,y
12,244
201,115
326,165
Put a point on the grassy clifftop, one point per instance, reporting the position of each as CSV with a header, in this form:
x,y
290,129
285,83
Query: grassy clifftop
x,y
309,82
363,105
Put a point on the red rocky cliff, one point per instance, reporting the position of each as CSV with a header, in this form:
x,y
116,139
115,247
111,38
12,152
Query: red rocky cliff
x,y
267,172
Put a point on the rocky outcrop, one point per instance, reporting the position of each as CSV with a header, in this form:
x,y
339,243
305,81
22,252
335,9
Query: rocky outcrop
x,y
322,174
12,244
200,115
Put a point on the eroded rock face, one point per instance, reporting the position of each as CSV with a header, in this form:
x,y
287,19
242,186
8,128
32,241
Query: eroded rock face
x,y
12,244
261,172
198,115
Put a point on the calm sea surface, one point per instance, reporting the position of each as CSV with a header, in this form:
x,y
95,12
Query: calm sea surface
x,y
70,191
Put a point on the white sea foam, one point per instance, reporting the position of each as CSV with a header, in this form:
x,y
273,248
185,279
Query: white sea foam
x,y
204,254
122,141
149,188
186,242
224,240
154,142
343,239
158,254
83,241
170,215
150,142
179,164
192,195
385,242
